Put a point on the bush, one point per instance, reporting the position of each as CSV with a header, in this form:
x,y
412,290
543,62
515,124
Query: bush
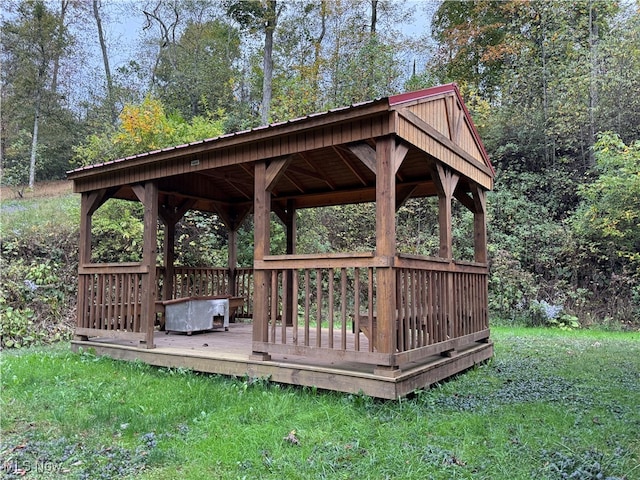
x,y
38,288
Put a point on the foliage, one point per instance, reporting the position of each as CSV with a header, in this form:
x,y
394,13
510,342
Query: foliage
x,y
195,75
201,240
145,127
38,264
611,208
117,232
608,220
35,123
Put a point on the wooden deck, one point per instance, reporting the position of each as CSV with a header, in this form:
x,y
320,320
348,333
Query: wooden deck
x,y
229,353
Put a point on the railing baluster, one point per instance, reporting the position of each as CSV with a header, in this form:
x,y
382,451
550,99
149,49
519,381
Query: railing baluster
x,y
319,308
343,313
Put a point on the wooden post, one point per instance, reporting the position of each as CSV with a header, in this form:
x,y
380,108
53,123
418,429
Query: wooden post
x,y
446,182
232,258
480,225
170,216
261,248
89,203
169,259
385,246
292,226
84,257
149,252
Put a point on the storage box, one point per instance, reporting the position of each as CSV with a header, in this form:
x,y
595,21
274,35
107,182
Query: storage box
x,y
194,314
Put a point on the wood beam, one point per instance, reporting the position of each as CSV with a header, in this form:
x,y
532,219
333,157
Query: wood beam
x,y
350,166
403,193
232,215
480,225
465,200
291,225
294,181
399,154
170,214
319,173
139,191
366,154
97,198
443,140
275,170
446,181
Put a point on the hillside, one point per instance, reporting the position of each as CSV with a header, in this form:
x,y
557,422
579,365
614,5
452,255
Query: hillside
x,y
38,242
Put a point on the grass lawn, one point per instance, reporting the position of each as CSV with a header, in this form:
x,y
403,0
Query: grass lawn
x,y
551,404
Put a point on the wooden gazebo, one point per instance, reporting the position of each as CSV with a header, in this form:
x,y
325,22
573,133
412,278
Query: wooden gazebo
x,y
380,322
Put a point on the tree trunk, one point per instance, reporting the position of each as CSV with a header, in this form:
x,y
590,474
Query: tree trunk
x,y
593,90
64,4
34,142
374,16
270,26
105,59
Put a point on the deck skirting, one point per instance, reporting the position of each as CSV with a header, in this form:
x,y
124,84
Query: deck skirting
x,y
193,352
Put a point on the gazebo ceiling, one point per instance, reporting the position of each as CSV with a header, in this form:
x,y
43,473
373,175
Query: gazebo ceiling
x,y
329,158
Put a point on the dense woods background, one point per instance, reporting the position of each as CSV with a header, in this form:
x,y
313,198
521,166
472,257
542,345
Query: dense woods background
x,y
553,87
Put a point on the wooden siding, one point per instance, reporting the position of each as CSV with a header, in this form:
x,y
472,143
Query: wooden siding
x,y
465,165
445,114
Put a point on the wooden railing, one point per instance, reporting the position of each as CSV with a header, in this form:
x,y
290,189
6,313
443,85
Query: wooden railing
x,y
110,301
439,301
200,282
243,281
329,306
323,311
206,281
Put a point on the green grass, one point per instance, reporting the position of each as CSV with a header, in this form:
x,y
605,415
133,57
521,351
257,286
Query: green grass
x,y
41,213
549,405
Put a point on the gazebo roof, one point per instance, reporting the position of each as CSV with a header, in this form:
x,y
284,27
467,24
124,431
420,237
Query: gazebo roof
x,y
328,156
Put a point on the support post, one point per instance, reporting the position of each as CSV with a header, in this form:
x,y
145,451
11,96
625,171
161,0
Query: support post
x,y
446,182
84,257
169,252
232,259
480,225
149,253
89,203
385,334
292,226
261,248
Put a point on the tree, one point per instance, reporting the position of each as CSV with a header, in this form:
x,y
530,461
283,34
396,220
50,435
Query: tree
x,y
144,127
262,16
610,209
32,45
105,60
195,76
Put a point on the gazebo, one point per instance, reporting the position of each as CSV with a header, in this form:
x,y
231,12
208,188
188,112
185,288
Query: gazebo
x,y
381,322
